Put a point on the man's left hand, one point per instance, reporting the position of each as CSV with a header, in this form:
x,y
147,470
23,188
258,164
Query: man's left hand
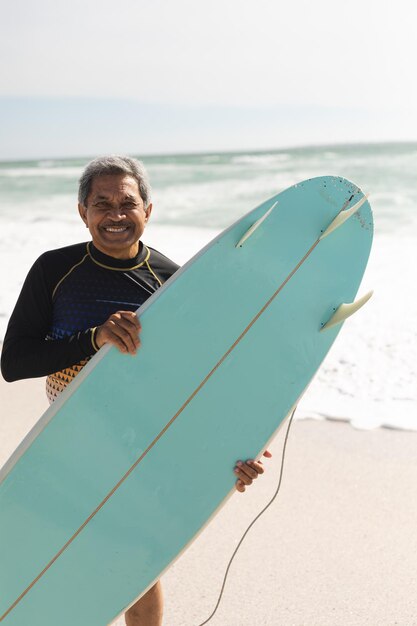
x,y
249,471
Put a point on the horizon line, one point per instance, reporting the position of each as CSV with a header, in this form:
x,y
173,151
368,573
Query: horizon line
x,y
197,153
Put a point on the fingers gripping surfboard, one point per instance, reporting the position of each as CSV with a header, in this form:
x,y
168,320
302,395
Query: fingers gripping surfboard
x,y
97,502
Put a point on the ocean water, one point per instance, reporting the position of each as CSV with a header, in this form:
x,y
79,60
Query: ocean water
x,y
370,376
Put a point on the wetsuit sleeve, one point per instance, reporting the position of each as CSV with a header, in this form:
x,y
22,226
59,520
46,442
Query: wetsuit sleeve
x,y
26,352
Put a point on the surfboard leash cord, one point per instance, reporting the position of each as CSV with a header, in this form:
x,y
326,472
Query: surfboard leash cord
x,y
253,522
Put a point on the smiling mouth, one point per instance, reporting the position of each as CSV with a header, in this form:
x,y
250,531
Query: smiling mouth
x,y
115,229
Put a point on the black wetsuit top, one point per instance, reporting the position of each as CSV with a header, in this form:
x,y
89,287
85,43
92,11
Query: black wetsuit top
x,y
66,295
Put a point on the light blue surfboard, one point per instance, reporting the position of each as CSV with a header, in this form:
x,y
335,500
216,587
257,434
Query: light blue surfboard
x,y
98,501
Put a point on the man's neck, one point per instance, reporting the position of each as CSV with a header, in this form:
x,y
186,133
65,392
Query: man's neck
x,y
126,253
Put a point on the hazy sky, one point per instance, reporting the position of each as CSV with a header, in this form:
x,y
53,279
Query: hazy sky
x,y
85,76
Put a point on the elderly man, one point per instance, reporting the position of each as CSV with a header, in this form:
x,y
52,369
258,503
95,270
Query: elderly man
x,y
78,298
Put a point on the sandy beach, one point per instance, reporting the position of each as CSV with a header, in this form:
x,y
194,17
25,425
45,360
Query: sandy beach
x,y
338,546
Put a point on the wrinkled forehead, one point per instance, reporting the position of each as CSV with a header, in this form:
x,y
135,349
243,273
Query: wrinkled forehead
x,y
114,186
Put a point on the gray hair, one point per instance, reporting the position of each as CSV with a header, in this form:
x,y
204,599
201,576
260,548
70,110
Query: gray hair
x,y
114,164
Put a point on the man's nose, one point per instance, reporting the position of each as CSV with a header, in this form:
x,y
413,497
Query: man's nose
x,y
117,213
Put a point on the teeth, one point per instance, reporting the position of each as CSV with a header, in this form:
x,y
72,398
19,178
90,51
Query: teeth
x,y
113,229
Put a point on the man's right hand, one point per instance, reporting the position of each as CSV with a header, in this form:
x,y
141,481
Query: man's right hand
x,y
121,330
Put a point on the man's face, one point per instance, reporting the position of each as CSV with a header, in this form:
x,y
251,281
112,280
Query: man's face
x,y
115,215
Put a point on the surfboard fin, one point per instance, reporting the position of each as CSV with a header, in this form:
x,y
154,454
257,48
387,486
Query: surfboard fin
x,y
346,310
343,216
254,226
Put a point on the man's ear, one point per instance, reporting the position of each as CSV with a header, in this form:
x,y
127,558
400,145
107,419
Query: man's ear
x,y
148,211
83,213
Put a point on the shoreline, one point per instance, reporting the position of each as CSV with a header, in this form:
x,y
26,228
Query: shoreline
x,y
312,407
369,376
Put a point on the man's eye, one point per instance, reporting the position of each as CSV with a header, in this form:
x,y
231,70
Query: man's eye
x,y
129,206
